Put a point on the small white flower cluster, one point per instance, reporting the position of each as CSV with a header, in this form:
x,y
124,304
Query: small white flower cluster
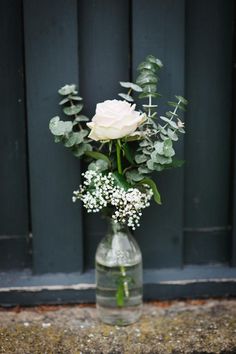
x,y
99,191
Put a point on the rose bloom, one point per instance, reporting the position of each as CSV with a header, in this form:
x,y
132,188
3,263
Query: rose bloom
x,y
114,119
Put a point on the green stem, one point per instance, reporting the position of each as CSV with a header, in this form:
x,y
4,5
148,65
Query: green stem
x,y
118,157
75,115
125,283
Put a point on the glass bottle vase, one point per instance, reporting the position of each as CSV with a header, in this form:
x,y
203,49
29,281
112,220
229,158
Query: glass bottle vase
x,y
119,283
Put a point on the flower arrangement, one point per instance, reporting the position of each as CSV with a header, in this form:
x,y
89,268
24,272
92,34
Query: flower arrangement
x,y
122,145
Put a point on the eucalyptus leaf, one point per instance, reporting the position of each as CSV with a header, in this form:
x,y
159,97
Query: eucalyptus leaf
x,y
173,104
182,107
154,60
170,122
71,139
159,147
143,170
83,132
146,78
170,114
165,119
168,144
163,137
134,87
147,65
98,165
65,100
182,99
79,136
173,124
150,164
75,98
150,88
59,127
81,149
147,151
140,158
162,129
144,143
133,176
72,110
67,90
181,130
146,95
172,135
126,97
162,159
154,166
81,118
170,152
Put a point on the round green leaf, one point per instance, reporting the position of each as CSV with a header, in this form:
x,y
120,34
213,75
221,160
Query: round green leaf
x,y
59,127
145,65
81,118
75,98
182,99
133,176
172,135
126,97
71,140
146,95
70,111
65,100
159,146
146,78
67,90
99,166
131,85
79,150
140,158
154,60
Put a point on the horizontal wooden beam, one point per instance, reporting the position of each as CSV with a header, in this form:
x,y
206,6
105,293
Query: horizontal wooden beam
x,y
23,288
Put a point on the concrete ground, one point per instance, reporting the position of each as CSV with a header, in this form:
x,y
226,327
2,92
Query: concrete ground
x,y
197,326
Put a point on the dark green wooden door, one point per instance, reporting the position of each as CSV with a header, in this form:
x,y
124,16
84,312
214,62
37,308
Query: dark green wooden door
x,y
187,242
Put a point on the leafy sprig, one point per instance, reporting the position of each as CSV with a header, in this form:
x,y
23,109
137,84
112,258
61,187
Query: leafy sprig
x,y
72,133
155,151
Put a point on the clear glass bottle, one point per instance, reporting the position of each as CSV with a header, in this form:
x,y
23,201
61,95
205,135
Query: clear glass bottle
x,y
119,280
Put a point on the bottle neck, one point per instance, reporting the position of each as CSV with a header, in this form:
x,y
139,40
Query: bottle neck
x,y
117,228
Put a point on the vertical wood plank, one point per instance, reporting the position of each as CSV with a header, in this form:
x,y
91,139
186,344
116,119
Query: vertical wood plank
x,y
14,224
208,73
51,44
233,135
104,61
159,29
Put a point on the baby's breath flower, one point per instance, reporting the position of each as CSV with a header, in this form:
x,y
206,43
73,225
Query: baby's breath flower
x,y
99,191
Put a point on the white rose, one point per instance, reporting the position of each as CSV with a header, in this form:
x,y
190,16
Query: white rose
x,y
114,119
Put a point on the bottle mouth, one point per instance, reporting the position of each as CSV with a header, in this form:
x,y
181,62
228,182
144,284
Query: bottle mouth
x,y
118,227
